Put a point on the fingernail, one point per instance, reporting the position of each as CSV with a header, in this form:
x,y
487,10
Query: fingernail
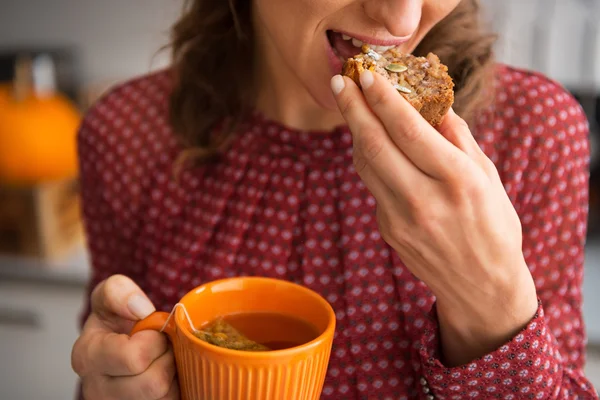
x,y
366,79
337,84
140,306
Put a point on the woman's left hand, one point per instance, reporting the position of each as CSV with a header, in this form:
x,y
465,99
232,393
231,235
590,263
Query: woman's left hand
x,y
441,205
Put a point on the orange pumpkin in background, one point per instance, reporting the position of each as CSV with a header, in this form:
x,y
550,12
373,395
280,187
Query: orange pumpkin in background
x,y
37,134
37,139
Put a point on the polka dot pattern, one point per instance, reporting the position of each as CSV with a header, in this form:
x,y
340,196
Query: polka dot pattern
x,y
288,204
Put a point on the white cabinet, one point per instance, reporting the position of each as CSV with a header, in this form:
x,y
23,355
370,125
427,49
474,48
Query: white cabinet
x,y
591,294
559,38
38,326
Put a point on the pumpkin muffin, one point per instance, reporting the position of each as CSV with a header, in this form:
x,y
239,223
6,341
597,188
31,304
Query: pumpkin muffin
x,y
423,81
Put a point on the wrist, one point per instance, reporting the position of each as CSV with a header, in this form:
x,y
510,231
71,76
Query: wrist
x,y
472,329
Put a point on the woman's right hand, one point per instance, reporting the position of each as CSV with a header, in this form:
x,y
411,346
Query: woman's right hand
x,y
113,365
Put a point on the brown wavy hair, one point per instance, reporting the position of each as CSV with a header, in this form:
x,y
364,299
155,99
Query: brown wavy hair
x,y
213,38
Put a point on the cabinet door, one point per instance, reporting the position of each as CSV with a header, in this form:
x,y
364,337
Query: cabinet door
x,y
38,326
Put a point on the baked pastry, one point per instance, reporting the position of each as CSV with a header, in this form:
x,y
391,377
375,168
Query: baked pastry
x,y
423,81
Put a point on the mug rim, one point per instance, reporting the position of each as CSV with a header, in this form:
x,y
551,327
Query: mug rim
x,y
327,334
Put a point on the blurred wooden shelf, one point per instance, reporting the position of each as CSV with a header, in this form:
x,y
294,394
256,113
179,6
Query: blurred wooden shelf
x,y
40,221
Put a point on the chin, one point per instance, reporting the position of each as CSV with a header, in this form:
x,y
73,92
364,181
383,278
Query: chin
x,y
325,99
320,89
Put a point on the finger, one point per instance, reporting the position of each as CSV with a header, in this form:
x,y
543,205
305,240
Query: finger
x,y
417,139
118,298
174,393
93,388
457,132
387,200
117,354
370,139
382,193
153,384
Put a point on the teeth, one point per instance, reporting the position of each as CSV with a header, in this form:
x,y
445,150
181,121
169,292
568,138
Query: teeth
x,y
356,42
381,49
359,44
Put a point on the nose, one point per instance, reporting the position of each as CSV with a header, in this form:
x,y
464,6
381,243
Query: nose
x,y
400,17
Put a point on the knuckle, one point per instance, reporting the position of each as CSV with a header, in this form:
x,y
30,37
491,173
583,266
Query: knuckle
x,y
489,167
383,224
78,359
101,296
115,282
409,132
157,385
348,103
421,216
105,293
171,360
378,98
136,361
461,168
395,233
371,146
428,223
109,294
91,390
87,390
397,237
359,162
174,391
471,188
391,233
97,294
462,124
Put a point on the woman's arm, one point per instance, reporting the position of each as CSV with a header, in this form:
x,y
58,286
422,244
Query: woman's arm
x,y
546,359
442,206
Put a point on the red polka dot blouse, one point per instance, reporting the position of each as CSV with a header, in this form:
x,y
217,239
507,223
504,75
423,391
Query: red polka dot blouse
x,y
288,204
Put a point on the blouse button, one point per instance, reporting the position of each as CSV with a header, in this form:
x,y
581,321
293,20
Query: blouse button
x,y
426,389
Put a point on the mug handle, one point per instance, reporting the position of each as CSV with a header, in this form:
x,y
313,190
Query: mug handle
x,y
156,321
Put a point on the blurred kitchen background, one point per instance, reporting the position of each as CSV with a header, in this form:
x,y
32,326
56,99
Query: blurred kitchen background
x,y
78,48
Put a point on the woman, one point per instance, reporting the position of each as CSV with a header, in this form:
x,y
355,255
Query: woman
x,y
452,256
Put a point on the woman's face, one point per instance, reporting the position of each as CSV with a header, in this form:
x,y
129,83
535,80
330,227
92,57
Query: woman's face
x,y
312,38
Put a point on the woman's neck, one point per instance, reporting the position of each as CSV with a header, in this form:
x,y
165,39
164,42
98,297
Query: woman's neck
x,y
281,97
292,108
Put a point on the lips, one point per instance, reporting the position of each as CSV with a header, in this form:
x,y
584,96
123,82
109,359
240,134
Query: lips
x,y
342,46
347,45
359,43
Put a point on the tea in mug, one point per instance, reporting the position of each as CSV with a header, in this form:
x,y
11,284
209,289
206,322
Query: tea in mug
x,y
259,331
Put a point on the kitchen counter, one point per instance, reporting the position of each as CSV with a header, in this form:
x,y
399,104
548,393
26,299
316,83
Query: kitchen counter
x,y
72,270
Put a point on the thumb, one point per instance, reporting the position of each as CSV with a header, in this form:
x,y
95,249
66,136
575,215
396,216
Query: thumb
x,y
118,298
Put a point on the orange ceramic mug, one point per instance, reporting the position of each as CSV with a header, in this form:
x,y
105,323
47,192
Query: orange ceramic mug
x,y
208,372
